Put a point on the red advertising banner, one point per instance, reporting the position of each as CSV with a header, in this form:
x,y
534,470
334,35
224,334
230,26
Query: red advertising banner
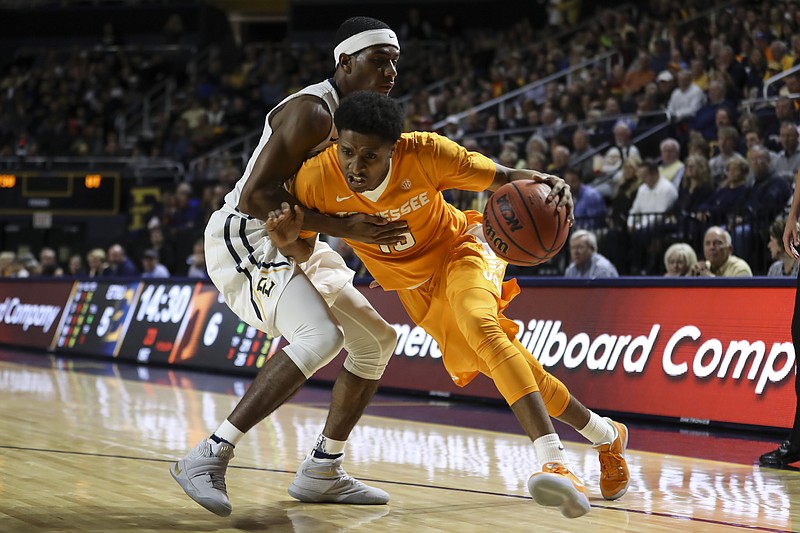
x,y
699,354
30,312
702,354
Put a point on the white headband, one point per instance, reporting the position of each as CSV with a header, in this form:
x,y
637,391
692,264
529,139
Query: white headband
x,y
365,39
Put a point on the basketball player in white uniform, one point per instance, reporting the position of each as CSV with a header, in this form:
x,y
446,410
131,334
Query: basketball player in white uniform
x,y
313,305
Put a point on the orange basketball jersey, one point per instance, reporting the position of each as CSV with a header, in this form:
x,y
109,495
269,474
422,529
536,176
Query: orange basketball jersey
x,y
423,165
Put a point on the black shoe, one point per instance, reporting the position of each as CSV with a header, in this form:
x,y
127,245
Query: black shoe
x,y
784,455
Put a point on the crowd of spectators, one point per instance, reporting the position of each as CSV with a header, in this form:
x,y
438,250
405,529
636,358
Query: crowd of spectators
x,y
689,70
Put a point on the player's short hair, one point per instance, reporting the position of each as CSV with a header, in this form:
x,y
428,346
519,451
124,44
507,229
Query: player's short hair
x,y
370,113
356,25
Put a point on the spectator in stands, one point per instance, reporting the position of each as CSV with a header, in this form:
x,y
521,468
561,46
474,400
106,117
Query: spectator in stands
x,y
784,112
729,197
560,160
784,264
589,207
787,163
197,261
453,130
778,50
75,266
161,243
586,261
580,158
671,167
616,241
509,156
696,188
728,139
764,200
719,258
95,262
686,99
151,267
7,257
48,263
679,258
647,217
119,264
655,196
615,156
733,72
704,120
665,86
639,75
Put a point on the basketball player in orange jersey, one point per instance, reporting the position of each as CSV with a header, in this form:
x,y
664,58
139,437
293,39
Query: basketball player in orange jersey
x,y
448,280
314,306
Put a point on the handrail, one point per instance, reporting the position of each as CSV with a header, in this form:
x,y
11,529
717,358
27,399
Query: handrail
x,y
500,100
94,162
779,77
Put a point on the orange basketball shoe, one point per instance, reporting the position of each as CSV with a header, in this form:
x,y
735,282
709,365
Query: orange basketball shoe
x,y
614,475
556,486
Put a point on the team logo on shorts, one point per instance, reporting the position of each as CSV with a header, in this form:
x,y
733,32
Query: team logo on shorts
x,y
265,286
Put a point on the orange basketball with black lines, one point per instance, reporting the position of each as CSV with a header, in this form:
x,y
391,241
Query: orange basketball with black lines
x,y
520,227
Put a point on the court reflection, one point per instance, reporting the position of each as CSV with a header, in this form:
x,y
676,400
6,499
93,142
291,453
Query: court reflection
x,y
160,413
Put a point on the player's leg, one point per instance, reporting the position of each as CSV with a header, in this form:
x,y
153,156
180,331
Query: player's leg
x,y
370,342
477,312
789,450
608,437
314,339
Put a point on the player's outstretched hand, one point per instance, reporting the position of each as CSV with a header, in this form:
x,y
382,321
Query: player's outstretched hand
x,y
373,229
560,191
284,224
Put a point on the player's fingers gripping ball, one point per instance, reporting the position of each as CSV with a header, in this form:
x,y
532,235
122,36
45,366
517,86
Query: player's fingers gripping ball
x,y
520,227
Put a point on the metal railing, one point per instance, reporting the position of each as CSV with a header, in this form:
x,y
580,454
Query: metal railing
x,y
500,101
778,77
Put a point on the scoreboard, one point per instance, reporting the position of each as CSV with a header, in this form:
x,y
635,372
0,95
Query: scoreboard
x,y
60,193
181,323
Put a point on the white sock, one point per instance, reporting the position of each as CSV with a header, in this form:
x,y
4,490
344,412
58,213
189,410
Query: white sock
x,y
599,430
329,446
228,432
550,450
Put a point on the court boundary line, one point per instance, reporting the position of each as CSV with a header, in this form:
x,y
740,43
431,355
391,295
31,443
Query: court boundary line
x,y
407,484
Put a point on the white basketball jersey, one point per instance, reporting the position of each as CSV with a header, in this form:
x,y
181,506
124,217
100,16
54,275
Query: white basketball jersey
x,y
323,90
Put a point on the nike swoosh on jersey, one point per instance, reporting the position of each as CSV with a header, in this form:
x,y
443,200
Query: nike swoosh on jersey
x,y
343,198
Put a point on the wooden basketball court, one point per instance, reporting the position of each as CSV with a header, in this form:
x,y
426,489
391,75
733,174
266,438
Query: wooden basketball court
x,y
87,445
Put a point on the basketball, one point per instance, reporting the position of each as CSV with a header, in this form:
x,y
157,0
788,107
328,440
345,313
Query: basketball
x,y
520,227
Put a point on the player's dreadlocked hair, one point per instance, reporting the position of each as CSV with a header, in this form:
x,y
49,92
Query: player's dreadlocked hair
x,y
370,113
355,25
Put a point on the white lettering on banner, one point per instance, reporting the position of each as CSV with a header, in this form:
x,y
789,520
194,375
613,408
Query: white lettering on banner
x,y
415,342
551,346
703,366
14,312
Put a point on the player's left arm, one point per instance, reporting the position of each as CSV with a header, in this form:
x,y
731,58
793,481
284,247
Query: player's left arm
x,y
559,190
283,226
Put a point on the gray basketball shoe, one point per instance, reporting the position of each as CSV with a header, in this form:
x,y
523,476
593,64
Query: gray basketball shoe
x,y
325,481
201,474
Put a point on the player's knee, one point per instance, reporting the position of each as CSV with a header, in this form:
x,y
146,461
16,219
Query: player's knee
x,y
314,346
370,363
555,395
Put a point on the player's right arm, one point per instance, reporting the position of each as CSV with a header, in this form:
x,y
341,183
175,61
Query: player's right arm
x,y
791,235
298,127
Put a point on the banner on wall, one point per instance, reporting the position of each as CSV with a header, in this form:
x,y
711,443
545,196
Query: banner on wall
x,y
30,318
699,354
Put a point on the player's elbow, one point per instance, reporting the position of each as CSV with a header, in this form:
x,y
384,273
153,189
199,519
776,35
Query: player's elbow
x,y
257,202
